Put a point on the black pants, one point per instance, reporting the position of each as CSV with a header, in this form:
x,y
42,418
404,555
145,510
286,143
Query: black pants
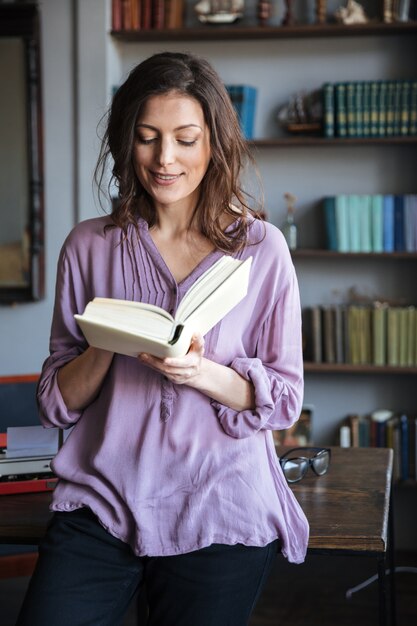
x,y
86,577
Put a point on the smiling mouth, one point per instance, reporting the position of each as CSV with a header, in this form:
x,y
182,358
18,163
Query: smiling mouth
x,y
165,178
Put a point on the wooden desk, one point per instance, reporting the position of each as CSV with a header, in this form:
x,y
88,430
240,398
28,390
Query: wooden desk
x,y
348,510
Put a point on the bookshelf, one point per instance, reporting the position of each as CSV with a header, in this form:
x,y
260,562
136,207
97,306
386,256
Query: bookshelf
x,y
305,57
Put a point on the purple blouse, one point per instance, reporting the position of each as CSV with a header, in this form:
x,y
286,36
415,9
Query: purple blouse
x,y
165,468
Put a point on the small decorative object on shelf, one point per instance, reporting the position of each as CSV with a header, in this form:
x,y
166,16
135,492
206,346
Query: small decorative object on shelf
x,y
219,11
321,9
303,113
352,13
264,12
288,19
290,229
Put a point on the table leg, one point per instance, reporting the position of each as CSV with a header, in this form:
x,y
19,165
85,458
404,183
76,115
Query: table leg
x,y
391,561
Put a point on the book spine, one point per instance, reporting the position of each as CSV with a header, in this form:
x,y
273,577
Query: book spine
x,y
377,228
410,217
405,107
382,109
341,120
379,334
393,336
354,219
404,447
413,108
116,15
359,108
366,117
329,110
330,222
388,222
411,335
350,109
374,108
342,223
390,108
397,107
9,487
399,245
365,223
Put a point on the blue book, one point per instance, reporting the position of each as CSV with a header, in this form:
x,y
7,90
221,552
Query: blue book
x,y
399,239
355,221
410,226
330,222
388,222
342,223
243,98
377,223
365,223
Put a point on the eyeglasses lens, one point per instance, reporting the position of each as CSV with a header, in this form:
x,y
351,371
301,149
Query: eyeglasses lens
x,y
321,462
294,469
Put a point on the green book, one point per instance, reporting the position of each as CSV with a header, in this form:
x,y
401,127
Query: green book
x,y
397,107
359,108
382,109
350,109
390,108
405,107
374,108
366,101
329,110
413,108
377,223
393,336
330,222
342,223
403,336
341,120
379,333
411,333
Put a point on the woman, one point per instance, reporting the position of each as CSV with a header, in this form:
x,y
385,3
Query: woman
x,y
169,477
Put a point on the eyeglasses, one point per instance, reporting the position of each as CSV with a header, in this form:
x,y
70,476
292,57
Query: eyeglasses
x,y
296,467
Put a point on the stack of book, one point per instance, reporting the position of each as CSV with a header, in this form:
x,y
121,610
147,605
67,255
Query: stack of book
x,y
375,334
384,108
385,429
371,223
25,459
244,100
137,15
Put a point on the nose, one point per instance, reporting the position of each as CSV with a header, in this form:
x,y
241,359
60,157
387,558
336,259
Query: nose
x,y
166,152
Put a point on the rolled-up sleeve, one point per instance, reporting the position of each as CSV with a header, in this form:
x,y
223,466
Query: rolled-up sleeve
x,y
66,343
276,370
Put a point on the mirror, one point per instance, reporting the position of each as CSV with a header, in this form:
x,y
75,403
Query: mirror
x,y
21,170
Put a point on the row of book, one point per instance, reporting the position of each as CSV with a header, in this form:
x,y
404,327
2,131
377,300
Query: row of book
x,y
371,223
384,108
134,15
385,429
377,334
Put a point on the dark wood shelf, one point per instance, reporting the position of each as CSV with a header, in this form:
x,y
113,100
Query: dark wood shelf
x,y
312,253
247,31
295,141
346,368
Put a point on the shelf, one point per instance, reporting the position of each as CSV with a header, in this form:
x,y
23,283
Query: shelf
x,y
346,368
247,32
317,140
312,253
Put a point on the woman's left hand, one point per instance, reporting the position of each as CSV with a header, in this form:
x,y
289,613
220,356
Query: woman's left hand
x,y
181,370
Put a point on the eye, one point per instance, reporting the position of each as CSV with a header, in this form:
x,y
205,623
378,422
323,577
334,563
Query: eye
x,y
187,143
146,140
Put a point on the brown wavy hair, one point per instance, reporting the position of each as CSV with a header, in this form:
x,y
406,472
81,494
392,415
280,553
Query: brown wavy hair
x,y
192,76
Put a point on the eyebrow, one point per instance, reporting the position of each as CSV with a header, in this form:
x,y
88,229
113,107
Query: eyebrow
x,y
175,129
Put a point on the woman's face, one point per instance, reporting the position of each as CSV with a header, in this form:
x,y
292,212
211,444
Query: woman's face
x,y
172,150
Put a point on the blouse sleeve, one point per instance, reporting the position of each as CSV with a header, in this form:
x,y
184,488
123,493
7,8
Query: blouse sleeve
x,y
66,343
276,371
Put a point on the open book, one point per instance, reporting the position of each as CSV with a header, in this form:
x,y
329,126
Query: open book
x,y
130,328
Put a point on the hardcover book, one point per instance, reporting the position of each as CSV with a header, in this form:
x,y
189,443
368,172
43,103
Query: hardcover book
x,y
130,328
